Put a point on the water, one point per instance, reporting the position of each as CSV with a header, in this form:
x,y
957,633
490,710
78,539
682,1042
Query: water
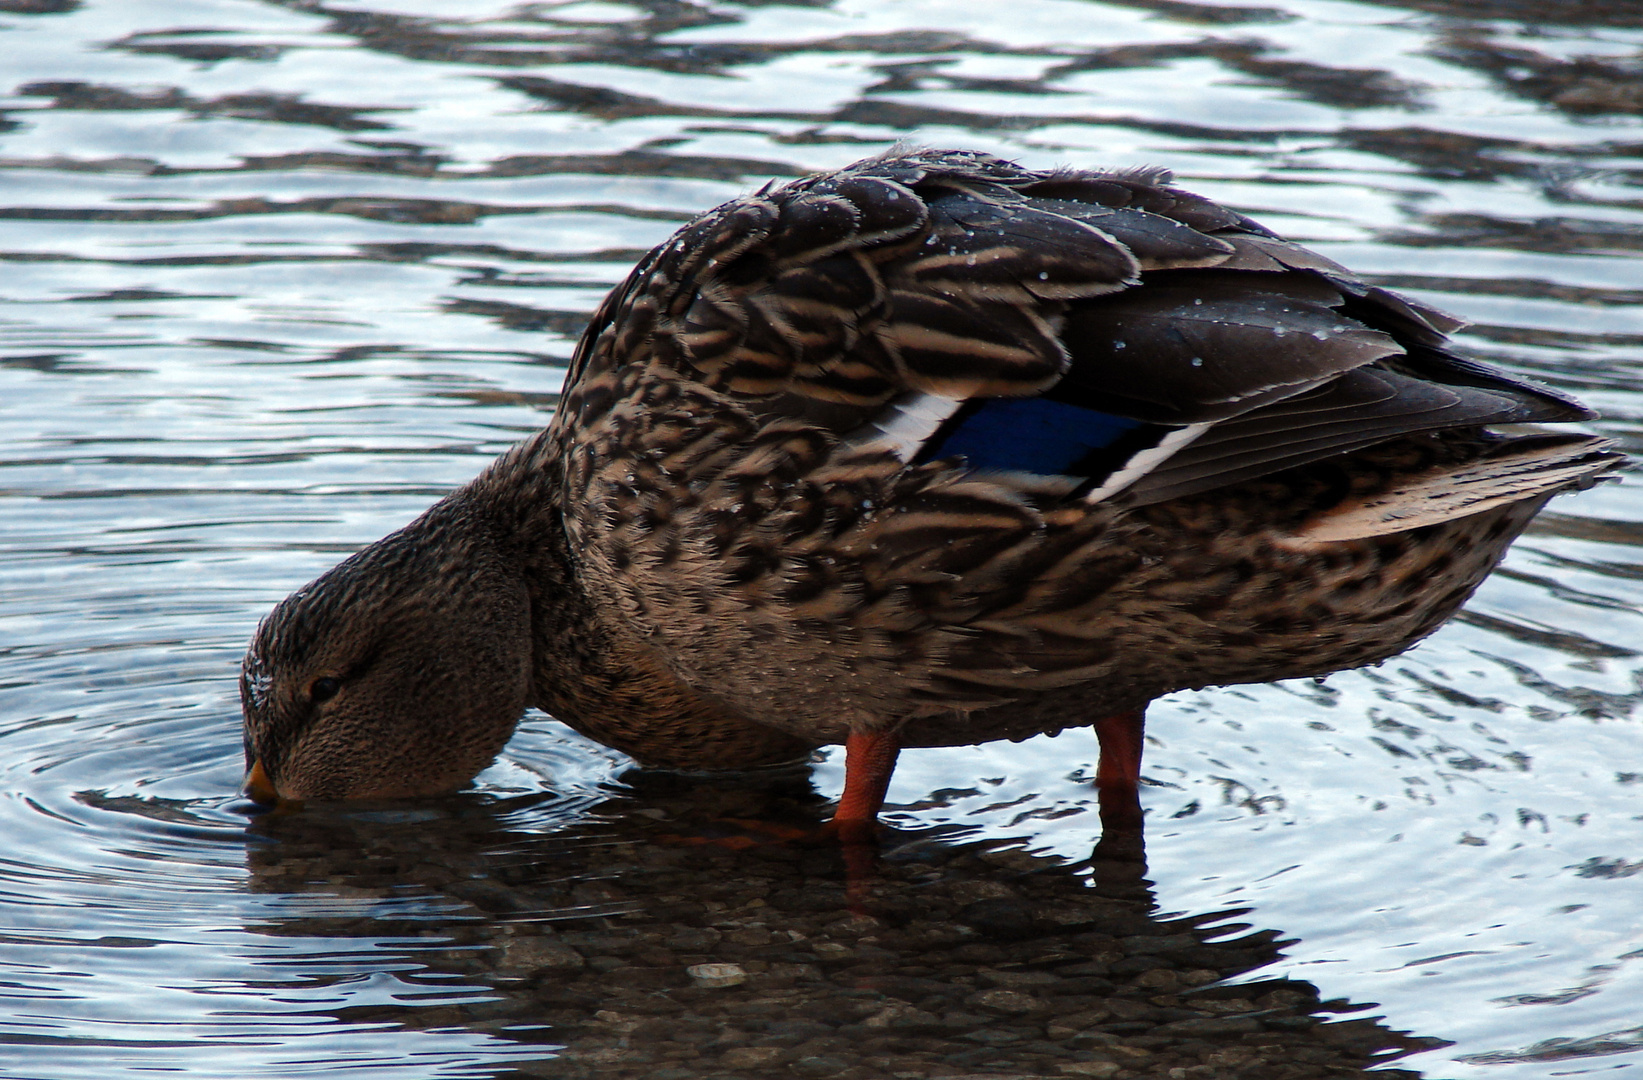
x,y
278,274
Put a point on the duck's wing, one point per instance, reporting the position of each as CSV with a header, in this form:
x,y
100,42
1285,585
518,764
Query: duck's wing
x,y
867,442
1104,327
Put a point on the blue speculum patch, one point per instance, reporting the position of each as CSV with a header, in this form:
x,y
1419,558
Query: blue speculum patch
x,y
1033,435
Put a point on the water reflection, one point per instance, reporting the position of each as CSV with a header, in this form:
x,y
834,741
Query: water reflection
x,y
638,952
280,273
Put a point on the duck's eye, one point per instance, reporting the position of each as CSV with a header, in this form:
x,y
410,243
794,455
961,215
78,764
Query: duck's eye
x,y
323,688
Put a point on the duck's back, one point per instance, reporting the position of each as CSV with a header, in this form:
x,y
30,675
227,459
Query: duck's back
x,y
940,440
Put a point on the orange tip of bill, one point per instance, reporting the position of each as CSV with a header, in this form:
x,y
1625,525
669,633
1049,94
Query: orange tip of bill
x,y
258,787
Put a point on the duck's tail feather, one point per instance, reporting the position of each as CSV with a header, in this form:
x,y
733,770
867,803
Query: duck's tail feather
x,y
1530,468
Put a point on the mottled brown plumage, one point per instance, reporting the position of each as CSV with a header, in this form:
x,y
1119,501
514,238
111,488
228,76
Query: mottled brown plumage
x,y
936,448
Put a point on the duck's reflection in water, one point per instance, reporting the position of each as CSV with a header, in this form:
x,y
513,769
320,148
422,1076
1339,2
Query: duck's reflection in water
x,y
638,951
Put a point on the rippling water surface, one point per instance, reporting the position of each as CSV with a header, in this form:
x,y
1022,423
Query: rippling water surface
x,y
275,275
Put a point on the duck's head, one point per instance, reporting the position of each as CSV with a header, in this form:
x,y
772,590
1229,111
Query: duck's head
x,y
399,672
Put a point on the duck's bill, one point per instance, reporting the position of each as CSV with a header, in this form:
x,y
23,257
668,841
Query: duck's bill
x,y
258,787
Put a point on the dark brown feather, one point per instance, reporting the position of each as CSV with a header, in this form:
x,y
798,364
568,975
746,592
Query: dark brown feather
x,y
742,536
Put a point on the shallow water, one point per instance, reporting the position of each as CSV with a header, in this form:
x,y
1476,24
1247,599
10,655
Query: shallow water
x,y
278,274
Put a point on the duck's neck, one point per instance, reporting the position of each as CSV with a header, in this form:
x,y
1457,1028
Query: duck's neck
x,y
590,670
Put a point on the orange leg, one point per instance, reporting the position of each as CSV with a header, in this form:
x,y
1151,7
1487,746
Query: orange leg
x,y
869,759
1118,775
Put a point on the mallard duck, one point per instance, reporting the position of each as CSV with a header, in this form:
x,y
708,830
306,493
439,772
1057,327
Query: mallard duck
x,y
931,450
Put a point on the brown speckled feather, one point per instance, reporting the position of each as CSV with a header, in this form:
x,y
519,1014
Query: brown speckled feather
x,y
940,444
799,573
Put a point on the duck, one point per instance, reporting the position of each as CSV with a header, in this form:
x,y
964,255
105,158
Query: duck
x,y
931,450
